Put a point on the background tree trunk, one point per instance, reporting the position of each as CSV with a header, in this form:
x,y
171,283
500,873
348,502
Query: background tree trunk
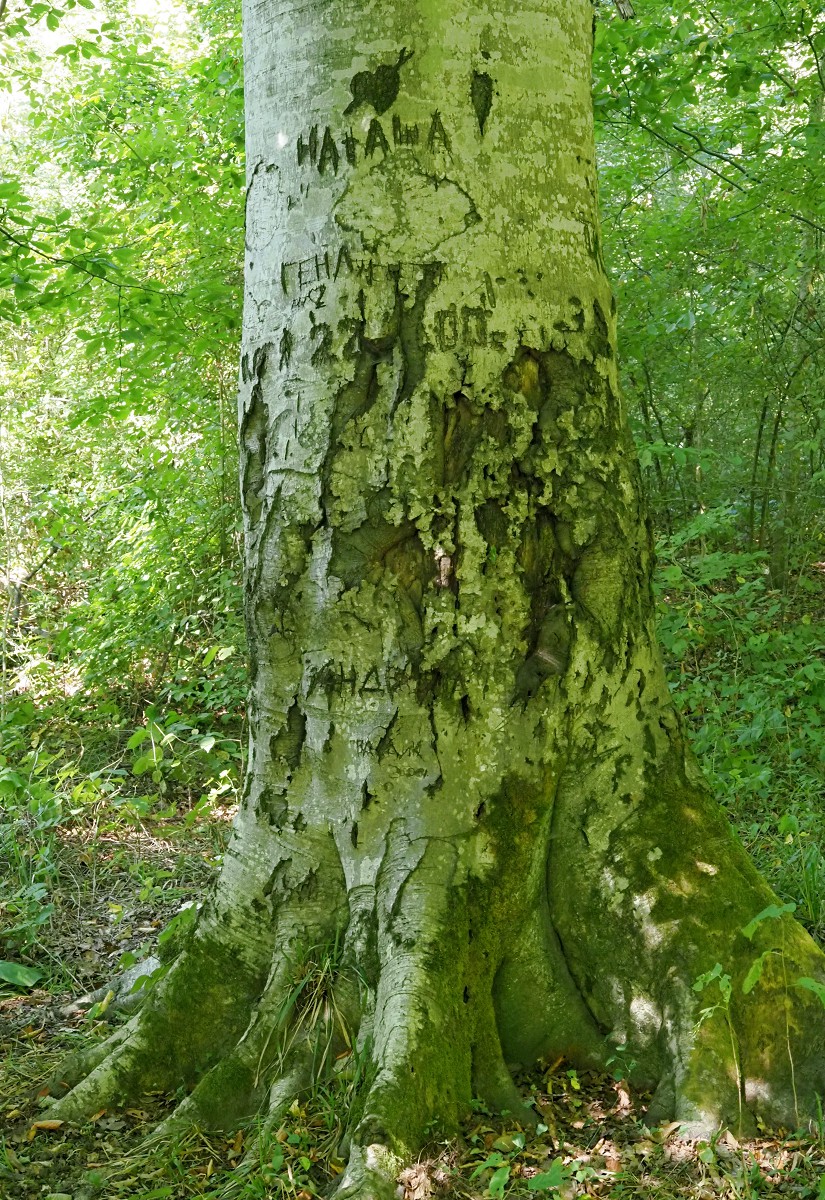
x,y
471,828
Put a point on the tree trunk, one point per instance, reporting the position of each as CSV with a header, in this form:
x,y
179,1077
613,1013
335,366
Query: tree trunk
x,y
472,834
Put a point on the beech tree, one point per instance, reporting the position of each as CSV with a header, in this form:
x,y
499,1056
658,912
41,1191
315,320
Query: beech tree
x,y
472,834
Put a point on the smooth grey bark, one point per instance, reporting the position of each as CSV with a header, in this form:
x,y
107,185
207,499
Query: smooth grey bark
x,y
470,817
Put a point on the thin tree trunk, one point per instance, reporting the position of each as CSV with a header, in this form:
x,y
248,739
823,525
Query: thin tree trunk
x,y
769,470
647,406
757,450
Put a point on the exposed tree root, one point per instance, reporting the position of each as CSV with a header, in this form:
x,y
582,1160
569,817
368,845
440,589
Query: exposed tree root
x,y
434,996
371,1174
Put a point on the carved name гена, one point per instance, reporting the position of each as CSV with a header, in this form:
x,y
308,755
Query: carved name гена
x,y
305,282
306,279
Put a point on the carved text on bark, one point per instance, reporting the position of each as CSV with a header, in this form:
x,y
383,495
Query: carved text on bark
x,y
325,151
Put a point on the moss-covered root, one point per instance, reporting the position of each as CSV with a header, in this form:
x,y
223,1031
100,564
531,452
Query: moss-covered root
x,y
783,1039
290,1033
425,1065
747,1034
77,1066
128,1068
371,1174
186,1025
431,1015
749,1049
213,1023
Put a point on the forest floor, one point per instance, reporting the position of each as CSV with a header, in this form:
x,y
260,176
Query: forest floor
x,y
116,889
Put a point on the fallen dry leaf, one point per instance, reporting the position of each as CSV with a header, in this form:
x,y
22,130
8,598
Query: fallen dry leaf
x,y
236,1146
623,1100
665,1131
416,1182
46,1125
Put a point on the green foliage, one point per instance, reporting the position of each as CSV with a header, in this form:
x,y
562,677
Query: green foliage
x,y
120,276
751,685
812,985
711,129
499,1171
122,678
30,815
718,976
771,913
49,793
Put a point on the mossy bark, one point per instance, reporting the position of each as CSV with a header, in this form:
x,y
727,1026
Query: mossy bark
x,y
466,775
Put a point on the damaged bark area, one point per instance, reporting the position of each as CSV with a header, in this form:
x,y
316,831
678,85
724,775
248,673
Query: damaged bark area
x,y
472,835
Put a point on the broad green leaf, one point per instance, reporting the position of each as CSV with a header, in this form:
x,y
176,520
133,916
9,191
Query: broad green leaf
x,y
772,912
708,977
811,985
20,976
493,1160
149,981
553,1178
499,1180
143,764
755,973
178,924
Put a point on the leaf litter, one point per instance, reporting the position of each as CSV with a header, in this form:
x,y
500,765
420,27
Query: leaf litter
x,y
590,1138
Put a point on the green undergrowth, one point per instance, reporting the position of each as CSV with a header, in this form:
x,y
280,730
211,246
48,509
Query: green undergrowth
x,y
745,654
106,829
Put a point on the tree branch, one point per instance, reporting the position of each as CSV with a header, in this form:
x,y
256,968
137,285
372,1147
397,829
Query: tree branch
x,y
731,183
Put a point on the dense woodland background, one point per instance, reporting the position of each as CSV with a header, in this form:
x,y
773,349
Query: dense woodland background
x,y
122,675
121,235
